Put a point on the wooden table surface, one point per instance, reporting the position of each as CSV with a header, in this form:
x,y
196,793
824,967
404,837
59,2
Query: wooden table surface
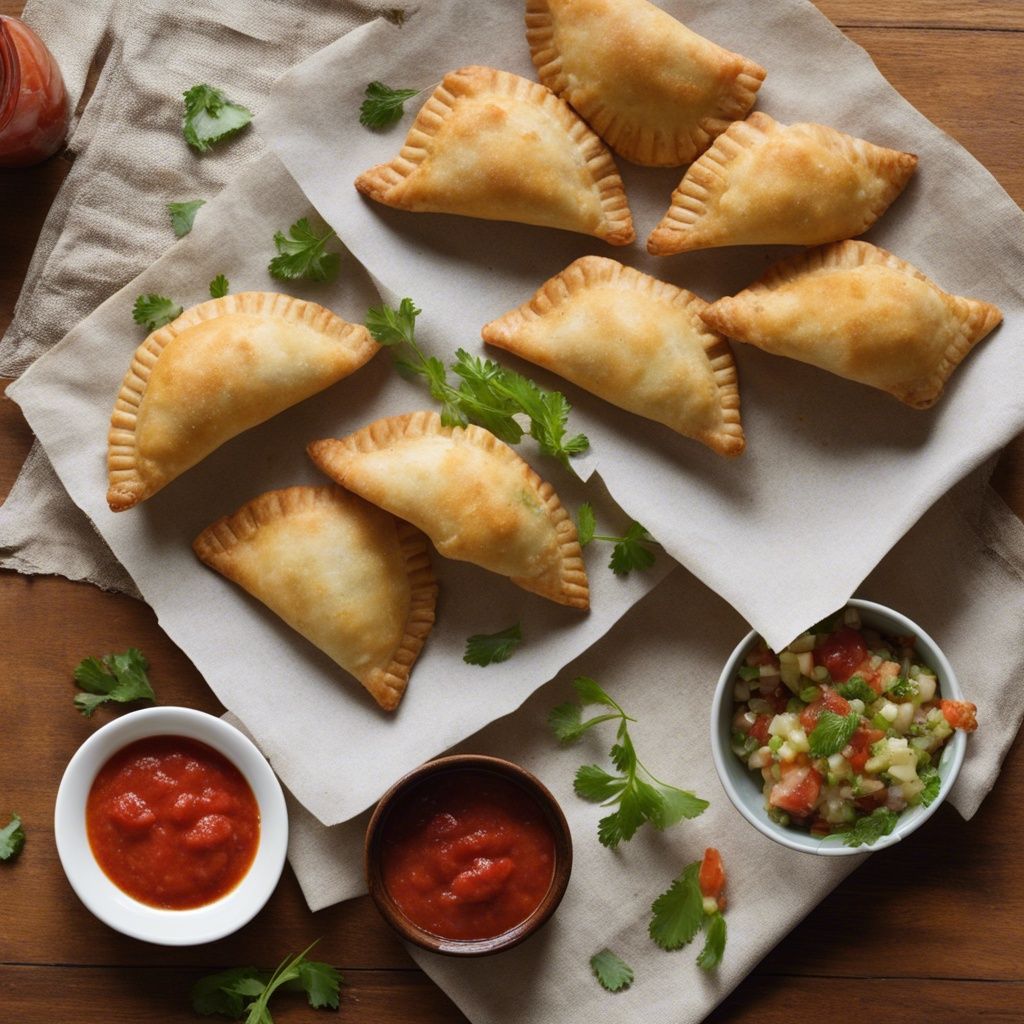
x,y
930,931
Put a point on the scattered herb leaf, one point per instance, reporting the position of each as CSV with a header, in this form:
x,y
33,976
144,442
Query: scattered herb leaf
x,y
679,911
855,688
629,552
219,287
153,311
488,394
395,15
383,106
867,831
210,116
12,839
488,648
586,524
613,973
117,677
832,732
248,990
183,215
714,943
638,799
300,253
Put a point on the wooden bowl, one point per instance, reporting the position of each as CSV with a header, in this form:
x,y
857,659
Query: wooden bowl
x,y
477,764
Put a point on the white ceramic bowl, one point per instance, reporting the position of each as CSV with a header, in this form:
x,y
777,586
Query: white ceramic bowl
x,y
744,785
115,907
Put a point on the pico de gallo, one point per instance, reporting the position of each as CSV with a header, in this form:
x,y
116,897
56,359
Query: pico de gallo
x,y
846,727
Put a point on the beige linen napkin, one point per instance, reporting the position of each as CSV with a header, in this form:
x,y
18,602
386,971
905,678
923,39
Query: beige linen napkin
x,y
958,573
109,220
834,472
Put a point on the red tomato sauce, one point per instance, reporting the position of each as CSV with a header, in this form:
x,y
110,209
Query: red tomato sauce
x,y
172,822
467,855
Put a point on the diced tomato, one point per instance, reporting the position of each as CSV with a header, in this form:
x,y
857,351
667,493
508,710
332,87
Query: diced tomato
x,y
797,791
872,800
829,701
841,653
712,876
759,730
763,657
961,714
778,698
861,742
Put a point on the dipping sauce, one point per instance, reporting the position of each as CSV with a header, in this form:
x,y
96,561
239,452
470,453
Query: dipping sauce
x,y
172,822
467,855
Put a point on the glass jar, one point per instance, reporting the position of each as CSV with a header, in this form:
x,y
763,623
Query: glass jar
x,y
33,102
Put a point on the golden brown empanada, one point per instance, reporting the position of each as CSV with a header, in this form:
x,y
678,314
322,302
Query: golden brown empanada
x,y
491,144
220,368
862,313
352,579
656,92
635,341
765,183
470,493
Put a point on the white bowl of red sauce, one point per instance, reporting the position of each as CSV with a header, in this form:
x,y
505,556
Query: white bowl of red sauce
x,y
468,855
171,826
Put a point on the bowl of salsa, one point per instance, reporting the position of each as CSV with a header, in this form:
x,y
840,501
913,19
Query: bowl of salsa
x,y
171,826
467,855
845,741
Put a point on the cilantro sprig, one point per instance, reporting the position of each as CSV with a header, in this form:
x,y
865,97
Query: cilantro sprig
x,y
384,106
630,551
219,287
868,830
300,254
489,648
678,914
183,215
831,733
210,116
611,971
635,792
488,394
117,677
12,839
153,311
248,990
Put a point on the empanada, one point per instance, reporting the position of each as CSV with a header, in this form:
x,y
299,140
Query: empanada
x,y
765,183
352,579
656,92
862,313
636,342
490,144
470,493
220,368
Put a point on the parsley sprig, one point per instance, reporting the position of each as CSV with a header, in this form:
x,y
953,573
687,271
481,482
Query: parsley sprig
x,y
219,287
183,215
210,116
228,993
489,648
153,311
488,394
611,971
636,793
117,677
301,253
630,551
12,839
678,914
384,106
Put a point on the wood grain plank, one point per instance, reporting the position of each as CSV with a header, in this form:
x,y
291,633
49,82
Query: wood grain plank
x,y
934,14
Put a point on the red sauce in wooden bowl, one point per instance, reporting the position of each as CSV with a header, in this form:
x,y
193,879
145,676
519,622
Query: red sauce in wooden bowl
x,y
172,822
467,855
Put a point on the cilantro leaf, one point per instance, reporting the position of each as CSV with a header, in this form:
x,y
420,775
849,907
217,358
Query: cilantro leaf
x,y
714,943
183,214
224,991
488,648
678,912
832,733
300,254
630,553
321,982
929,775
12,839
855,688
676,804
589,692
153,311
393,326
585,524
595,784
868,830
210,116
613,973
383,106
117,677
219,287
566,721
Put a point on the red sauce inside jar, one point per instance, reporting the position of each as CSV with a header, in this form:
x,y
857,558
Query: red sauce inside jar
x,y
467,855
172,822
